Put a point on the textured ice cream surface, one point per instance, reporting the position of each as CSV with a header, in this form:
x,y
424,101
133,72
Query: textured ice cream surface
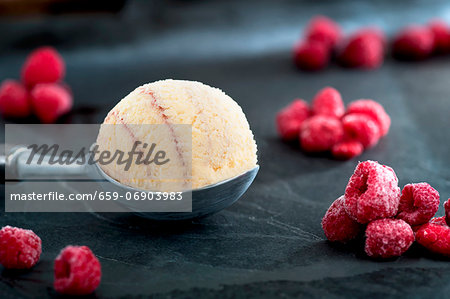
x,y
220,146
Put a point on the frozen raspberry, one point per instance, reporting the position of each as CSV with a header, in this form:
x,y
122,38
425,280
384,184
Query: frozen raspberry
x,y
364,49
347,149
413,43
50,101
319,133
19,248
373,109
418,203
337,225
372,192
360,127
311,55
447,211
77,271
328,101
435,236
14,100
43,65
441,34
387,238
290,119
324,30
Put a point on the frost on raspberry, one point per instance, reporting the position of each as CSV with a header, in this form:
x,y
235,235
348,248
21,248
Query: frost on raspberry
x,y
77,271
328,101
418,203
372,192
386,238
290,119
19,248
319,133
374,110
337,225
435,236
360,127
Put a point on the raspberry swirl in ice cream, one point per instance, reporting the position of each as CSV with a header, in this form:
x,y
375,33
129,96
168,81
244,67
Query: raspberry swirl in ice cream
x,y
222,144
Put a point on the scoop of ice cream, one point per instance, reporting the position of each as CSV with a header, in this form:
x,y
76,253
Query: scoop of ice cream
x,y
202,130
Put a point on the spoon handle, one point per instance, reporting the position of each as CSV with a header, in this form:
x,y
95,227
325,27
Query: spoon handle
x,y
18,163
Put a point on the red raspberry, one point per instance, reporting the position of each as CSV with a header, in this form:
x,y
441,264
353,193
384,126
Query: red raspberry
x,y
435,236
413,43
14,100
373,109
324,30
50,101
418,203
311,55
441,34
364,49
290,119
360,127
319,133
337,225
328,101
372,192
19,248
77,271
43,65
438,221
347,149
447,211
387,238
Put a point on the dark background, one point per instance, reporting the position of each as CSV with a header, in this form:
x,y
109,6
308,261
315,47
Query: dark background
x,y
270,243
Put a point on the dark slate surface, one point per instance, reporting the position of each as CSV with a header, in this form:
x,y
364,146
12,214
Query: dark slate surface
x,y
270,243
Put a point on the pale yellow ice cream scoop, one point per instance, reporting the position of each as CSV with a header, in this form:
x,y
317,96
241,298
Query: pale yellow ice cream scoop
x,y
220,145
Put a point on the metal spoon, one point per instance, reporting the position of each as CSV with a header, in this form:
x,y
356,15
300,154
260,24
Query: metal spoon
x,y
205,201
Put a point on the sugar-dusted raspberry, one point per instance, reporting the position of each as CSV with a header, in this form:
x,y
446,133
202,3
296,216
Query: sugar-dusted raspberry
x,y
387,238
373,109
364,49
77,271
43,65
337,225
441,35
361,127
435,236
324,30
413,43
447,211
311,55
319,133
418,203
345,150
328,101
19,248
50,101
14,101
290,119
372,192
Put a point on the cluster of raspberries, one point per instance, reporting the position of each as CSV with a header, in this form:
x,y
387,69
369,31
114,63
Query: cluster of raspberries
x,y
328,126
41,91
366,48
77,270
392,220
